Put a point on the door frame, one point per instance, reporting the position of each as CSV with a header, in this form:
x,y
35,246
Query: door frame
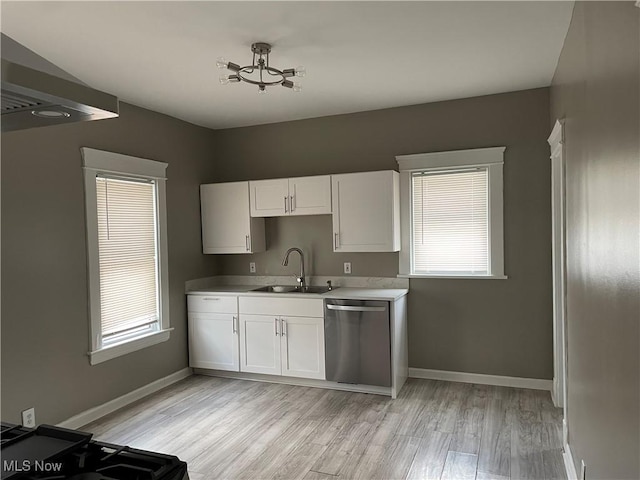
x,y
559,268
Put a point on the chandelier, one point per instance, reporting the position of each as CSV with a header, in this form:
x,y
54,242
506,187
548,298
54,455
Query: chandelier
x,y
260,73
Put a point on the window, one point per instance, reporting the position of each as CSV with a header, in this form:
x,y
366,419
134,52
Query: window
x,y
451,208
126,244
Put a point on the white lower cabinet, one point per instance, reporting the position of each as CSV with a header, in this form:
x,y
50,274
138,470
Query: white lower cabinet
x,y
264,335
302,347
213,332
282,337
289,346
259,344
275,335
213,341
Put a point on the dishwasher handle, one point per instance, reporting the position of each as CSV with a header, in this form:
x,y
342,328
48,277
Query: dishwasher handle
x,y
356,309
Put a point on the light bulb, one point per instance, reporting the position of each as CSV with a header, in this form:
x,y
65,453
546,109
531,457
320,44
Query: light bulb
x,y
221,63
301,71
224,79
297,87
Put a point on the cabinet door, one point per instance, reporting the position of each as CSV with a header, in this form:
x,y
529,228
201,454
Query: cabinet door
x,y
213,341
270,198
260,344
310,195
226,224
366,212
302,346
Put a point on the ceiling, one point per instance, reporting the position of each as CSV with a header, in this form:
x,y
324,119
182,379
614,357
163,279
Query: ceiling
x,y
359,55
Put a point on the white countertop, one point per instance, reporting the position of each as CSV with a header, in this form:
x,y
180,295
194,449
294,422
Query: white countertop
x,y
347,293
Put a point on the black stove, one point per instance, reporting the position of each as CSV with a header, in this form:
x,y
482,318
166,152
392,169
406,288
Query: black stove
x,y
52,453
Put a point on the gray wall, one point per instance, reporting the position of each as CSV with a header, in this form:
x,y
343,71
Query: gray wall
x,y
596,90
45,325
501,327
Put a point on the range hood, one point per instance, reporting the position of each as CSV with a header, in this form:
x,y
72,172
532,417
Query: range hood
x,y
36,93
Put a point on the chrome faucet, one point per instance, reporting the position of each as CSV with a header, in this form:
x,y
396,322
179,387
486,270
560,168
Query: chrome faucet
x,y
285,262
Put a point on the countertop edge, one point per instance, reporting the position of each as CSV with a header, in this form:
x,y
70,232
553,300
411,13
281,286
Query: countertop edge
x,y
348,293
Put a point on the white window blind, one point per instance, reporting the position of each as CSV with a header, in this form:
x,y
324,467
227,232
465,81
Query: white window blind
x,y
450,222
127,245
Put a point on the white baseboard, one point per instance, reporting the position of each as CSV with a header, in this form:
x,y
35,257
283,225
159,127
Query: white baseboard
x,y
300,382
518,382
569,465
100,411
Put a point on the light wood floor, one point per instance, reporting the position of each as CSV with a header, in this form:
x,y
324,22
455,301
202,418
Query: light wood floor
x,y
235,429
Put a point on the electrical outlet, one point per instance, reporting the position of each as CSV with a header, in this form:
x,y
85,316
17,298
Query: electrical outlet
x,y
347,268
583,471
252,267
29,418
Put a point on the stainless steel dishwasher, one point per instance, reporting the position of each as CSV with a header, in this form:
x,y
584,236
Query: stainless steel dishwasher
x,y
357,342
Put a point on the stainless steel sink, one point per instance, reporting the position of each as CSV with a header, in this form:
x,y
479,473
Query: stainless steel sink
x,y
276,289
291,289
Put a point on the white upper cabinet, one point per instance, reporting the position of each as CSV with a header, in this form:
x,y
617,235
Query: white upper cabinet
x,y
366,212
291,196
269,198
310,195
227,226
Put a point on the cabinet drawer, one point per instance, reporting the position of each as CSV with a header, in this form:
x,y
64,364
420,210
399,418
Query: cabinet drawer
x,y
212,303
295,307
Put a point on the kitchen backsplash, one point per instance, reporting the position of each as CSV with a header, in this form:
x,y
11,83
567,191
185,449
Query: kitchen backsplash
x,y
313,234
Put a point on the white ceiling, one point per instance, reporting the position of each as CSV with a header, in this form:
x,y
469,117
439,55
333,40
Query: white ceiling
x,y
359,55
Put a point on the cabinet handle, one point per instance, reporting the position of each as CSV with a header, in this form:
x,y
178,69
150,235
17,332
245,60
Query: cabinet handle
x,y
276,325
283,328
335,240
235,328
292,202
211,298
246,242
285,205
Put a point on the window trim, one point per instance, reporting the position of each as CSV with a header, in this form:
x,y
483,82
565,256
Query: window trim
x,y
94,163
493,159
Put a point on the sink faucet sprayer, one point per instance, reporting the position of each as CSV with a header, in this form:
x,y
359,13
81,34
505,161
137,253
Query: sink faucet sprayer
x,y
285,262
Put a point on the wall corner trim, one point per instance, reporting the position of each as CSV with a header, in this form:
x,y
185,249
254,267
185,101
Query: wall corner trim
x,y
100,411
569,465
556,136
482,379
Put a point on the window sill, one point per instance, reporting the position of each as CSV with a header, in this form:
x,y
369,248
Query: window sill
x,y
466,277
113,351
